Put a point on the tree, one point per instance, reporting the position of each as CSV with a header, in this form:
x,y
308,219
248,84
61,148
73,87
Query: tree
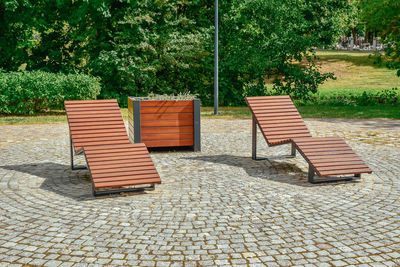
x,y
268,40
383,16
136,47
162,46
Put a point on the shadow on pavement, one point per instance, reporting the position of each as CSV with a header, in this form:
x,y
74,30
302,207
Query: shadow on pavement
x,y
59,179
270,169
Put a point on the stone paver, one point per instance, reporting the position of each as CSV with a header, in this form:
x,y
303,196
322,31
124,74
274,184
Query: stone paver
x,y
215,207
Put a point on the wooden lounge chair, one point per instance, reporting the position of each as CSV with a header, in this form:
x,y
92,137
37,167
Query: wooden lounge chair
x,y
97,129
281,123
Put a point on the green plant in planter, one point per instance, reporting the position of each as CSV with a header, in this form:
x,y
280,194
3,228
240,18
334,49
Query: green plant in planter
x,y
180,96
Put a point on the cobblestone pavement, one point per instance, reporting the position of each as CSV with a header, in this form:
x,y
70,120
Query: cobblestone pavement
x,y
215,207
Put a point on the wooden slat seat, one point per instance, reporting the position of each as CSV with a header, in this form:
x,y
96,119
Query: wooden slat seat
x,y
280,123
326,156
279,109
98,130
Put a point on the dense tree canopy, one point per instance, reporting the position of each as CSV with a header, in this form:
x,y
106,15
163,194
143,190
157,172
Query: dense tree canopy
x,y
383,16
162,46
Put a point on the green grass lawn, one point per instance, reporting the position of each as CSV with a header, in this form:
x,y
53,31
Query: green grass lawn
x,y
355,72
315,111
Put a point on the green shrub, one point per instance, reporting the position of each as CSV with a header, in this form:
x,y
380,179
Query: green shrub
x,y
371,98
38,91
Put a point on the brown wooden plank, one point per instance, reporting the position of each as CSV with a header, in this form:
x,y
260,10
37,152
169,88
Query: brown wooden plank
x,y
279,115
114,151
176,136
115,154
97,106
161,130
336,160
77,145
93,126
276,110
342,172
130,170
94,109
91,105
99,138
332,156
169,143
285,131
154,117
338,163
317,140
271,105
278,142
128,183
122,165
166,103
341,167
284,125
112,158
94,112
78,102
104,156
165,110
86,135
336,152
109,174
268,101
132,179
84,120
317,143
289,136
266,120
167,123
119,150
268,97
311,145
260,107
326,149
99,133
72,118
120,161
114,146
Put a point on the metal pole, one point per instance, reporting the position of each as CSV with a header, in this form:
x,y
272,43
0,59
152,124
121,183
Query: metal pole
x,y
216,59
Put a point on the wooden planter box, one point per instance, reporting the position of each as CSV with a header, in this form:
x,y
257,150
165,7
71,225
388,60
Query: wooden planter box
x,y
164,123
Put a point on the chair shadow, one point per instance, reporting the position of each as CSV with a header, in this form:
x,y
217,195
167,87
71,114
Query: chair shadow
x,y
270,169
59,179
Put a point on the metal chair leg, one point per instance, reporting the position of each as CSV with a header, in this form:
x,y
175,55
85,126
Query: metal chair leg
x,y
311,173
254,140
293,150
72,158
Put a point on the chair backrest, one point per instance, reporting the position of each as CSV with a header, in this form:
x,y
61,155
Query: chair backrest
x,y
95,122
278,118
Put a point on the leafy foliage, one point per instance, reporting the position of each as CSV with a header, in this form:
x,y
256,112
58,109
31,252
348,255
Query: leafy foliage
x,y
36,91
350,98
383,16
166,47
180,96
271,41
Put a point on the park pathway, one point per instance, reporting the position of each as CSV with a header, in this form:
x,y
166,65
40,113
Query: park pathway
x,y
214,207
